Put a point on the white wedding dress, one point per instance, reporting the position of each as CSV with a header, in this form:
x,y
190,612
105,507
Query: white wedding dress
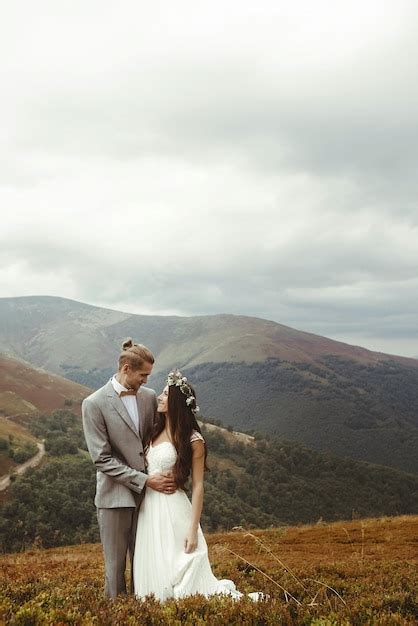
x,y
161,566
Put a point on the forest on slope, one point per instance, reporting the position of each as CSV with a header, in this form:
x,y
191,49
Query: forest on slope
x,y
361,410
264,483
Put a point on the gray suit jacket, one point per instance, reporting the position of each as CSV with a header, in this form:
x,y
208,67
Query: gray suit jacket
x,y
116,447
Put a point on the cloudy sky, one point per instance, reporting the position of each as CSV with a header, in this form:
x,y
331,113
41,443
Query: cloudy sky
x,y
198,157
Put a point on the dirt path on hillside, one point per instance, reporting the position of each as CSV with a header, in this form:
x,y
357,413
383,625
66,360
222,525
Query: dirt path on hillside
x,y
10,417
231,435
21,469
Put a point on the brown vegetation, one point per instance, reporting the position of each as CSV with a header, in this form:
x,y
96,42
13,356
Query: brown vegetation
x,y
25,389
358,572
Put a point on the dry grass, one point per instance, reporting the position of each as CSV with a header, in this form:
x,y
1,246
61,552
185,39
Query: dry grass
x,y
357,572
26,389
10,427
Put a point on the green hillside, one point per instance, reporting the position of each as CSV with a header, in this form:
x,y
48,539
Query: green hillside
x,y
351,409
257,484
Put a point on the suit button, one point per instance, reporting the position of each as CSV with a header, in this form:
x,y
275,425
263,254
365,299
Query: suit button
x,y
141,454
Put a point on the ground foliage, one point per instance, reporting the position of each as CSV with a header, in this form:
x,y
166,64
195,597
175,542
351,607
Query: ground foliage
x,y
18,450
61,431
355,573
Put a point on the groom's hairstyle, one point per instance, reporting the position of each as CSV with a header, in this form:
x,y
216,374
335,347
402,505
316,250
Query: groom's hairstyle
x,y
134,354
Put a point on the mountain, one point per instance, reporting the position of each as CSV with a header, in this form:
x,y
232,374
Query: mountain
x,y
60,335
253,373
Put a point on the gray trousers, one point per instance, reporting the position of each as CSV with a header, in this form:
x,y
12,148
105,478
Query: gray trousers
x,y
117,533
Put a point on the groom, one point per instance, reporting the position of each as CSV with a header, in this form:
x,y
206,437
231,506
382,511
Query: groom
x,y
117,422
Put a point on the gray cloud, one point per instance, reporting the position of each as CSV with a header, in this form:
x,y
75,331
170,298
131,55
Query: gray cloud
x,y
252,160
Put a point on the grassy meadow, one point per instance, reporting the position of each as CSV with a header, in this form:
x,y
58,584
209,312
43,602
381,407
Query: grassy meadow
x,y
356,572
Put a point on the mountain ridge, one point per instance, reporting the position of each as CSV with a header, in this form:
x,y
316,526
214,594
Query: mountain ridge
x,y
252,373
296,345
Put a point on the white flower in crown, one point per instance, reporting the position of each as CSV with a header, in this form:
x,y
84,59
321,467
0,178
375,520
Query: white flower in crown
x,y
174,378
196,410
189,400
184,379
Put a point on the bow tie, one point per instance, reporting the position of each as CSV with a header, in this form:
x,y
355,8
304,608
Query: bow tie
x,y
131,392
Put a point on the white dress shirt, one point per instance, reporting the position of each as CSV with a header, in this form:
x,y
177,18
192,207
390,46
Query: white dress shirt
x,y
130,402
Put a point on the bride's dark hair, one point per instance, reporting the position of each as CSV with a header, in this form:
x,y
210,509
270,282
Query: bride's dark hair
x,y
182,424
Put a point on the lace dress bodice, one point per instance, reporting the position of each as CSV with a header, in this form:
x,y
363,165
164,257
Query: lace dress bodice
x,y
162,457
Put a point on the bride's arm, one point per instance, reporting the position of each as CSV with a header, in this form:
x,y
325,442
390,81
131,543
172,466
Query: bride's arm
x,y
198,470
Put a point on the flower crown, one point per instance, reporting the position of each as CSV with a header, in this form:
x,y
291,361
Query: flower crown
x,y
176,378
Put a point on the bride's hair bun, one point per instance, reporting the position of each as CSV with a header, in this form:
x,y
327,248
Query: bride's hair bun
x,y
128,343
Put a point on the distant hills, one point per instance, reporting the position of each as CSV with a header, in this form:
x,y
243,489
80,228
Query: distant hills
x,y
252,373
60,335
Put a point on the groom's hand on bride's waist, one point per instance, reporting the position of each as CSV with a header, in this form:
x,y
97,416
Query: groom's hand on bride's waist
x,y
162,482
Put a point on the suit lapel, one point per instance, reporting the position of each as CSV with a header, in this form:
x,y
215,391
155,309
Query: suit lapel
x,y
118,405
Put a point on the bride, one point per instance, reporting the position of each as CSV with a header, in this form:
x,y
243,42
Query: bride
x,y
171,555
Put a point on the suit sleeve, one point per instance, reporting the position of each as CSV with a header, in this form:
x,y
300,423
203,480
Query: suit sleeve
x,y
100,450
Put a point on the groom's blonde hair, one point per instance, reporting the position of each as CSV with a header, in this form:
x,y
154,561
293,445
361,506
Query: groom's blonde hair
x,y
134,354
